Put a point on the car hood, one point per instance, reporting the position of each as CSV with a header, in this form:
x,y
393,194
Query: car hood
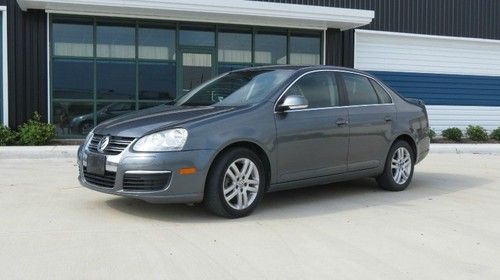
x,y
142,122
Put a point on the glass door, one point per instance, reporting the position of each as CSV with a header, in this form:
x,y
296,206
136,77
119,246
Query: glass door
x,y
195,68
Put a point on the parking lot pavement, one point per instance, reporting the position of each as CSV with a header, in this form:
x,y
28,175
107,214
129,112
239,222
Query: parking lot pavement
x,y
445,226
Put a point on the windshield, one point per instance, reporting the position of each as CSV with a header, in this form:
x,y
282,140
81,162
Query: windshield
x,y
236,89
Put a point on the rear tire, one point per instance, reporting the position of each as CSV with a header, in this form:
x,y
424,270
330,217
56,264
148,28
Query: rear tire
x,y
235,184
399,166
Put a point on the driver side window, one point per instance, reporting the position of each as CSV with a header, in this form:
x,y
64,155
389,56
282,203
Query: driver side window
x,y
319,88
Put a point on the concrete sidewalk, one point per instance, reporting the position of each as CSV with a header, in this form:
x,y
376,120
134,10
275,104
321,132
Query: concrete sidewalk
x,y
493,149
38,152
41,152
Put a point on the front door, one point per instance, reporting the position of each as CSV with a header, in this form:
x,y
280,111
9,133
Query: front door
x,y
196,67
313,142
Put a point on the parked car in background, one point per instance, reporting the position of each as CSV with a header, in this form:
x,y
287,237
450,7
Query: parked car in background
x,y
83,124
247,132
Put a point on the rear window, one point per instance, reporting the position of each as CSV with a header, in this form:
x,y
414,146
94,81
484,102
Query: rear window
x,y
383,96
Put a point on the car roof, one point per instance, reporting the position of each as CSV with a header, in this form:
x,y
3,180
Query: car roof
x,y
302,68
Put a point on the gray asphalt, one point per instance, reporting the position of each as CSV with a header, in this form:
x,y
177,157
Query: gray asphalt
x,y
445,226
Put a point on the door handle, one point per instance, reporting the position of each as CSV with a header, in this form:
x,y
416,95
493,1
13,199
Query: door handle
x,y
341,122
388,118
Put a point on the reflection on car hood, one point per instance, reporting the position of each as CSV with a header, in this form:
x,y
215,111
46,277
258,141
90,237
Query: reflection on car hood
x,y
138,123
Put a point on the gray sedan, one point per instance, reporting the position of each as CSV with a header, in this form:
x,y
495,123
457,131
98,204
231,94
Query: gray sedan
x,y
257,130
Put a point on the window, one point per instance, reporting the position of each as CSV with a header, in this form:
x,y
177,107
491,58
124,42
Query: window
x,y
270,49
359,90
73,79
109,110
103,68
236,89
224,68
156,81
196,37
383,96
156,67
305,50
73,117
116,41
156,43
235,47
73,38
115,80
146,105
320,89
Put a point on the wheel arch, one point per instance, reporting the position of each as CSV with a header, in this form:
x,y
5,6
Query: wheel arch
x,y
254,147
407,138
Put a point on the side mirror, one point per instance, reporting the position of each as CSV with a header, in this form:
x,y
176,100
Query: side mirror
x,y
293,102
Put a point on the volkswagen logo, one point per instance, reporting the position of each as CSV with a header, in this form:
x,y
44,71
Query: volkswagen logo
x,y
103,144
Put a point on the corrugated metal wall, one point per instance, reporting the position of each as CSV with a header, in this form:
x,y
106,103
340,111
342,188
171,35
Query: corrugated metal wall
x,y
464,18
27,62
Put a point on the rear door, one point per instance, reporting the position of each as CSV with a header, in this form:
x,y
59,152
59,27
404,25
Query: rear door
x,y
314,141
371,114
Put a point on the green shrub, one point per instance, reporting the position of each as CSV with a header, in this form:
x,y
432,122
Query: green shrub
x,y
495,134
7,136
432,134
453,133
36,132
476,133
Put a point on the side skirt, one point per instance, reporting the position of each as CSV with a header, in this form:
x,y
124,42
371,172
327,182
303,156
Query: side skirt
x,y
325,179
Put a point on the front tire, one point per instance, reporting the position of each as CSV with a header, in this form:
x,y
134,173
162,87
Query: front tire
x,y
235,183
399,166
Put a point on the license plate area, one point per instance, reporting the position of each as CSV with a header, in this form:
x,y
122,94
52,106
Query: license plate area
x,y
96,164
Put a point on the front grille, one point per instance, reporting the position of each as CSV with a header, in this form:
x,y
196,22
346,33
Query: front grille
x,y
145,182
106,181
116,144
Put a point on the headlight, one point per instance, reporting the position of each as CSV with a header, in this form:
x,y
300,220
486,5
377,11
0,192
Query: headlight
x,y
163,141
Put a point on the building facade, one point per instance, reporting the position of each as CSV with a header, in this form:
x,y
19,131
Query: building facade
x,y
79,63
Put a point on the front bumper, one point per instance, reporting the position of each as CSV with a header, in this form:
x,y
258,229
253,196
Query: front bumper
x,y
179,189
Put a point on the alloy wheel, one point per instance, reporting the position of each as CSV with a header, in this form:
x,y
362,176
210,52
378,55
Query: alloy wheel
x,y
241,183
401,165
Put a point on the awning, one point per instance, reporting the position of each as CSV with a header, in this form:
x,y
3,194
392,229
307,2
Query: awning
x,y
216,11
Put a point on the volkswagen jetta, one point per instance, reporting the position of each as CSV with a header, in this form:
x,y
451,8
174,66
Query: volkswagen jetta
x,y
247,132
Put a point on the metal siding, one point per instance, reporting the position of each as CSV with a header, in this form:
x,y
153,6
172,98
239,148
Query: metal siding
x,y
432,67
439,89
443,117
27,63
396,52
